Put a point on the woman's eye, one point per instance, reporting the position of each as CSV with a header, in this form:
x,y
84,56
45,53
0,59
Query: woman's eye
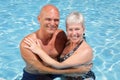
x,y
77,29
70,29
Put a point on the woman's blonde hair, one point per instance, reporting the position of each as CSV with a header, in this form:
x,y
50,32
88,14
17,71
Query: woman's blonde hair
x,y
75,17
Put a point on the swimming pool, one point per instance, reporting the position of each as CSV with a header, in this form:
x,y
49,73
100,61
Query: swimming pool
x,y
102,19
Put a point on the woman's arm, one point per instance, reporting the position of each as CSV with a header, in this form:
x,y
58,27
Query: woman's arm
x,y
73,61
31,59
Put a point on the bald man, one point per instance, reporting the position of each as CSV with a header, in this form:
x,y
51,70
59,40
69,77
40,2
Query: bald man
x,y
53,43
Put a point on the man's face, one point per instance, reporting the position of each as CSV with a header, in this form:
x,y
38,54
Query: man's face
x,y
49,21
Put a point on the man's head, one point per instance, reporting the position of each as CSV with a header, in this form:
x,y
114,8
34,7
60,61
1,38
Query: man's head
x,y
49,18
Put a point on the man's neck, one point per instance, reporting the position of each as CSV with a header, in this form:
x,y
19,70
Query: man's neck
x,y
44,37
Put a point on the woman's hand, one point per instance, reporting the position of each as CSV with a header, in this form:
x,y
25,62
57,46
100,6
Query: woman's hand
x,y
33,45
85,68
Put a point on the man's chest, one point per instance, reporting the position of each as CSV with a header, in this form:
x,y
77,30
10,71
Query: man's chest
x,y
51,51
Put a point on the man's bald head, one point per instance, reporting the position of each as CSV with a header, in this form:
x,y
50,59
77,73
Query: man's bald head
x,y
48,8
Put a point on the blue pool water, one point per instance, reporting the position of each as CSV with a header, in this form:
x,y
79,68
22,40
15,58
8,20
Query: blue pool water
x,y
102,19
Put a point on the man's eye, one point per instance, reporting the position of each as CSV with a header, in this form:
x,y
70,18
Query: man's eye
x,y
56,20
70,29
48,19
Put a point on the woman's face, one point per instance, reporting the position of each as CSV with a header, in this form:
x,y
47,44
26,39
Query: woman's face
x,y
75,32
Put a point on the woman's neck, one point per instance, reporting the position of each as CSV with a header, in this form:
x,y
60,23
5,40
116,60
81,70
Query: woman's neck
x,y
75,43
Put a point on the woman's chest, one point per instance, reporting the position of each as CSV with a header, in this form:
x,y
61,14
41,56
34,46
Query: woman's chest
x,y
66,50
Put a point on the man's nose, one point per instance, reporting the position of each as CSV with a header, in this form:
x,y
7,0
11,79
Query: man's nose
x,y
52,22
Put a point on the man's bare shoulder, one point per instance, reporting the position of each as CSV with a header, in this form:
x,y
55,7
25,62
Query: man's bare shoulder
x,y
23,44
27,54
59,36
58,31
60,40
32,35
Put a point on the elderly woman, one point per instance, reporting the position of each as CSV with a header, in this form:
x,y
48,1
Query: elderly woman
x,y
77,52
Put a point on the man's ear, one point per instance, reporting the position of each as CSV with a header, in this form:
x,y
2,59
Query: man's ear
x,y
38,18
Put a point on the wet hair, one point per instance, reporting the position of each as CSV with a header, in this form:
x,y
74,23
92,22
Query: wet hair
x,y
75,17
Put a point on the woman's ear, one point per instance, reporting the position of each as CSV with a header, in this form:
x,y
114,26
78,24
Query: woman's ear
x,y
83,27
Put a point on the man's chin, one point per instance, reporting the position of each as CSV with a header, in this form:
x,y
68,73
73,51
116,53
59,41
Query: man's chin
x,y
51,32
